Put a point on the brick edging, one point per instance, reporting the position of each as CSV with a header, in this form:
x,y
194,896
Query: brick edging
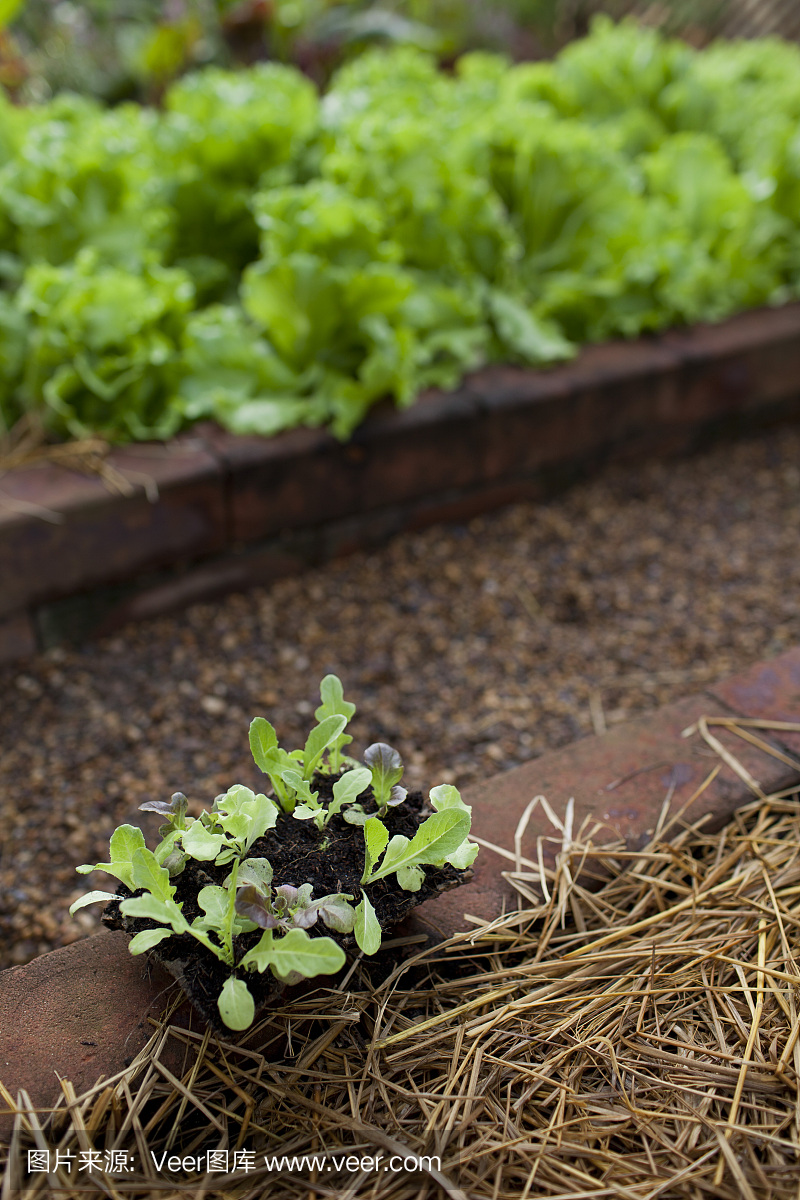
x,y
76,557
81,1010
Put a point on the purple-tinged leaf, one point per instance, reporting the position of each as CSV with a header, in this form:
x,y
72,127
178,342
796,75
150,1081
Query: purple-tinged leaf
x,y
255,907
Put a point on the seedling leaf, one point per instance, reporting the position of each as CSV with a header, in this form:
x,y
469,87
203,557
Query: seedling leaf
x,y
387,769
367,927
376,835
125,840
148,874
148,938
321,736
263,738
410,878
214,903
236,1005
306,955
446,796
257,871
348,788
334,704
90,898
200,844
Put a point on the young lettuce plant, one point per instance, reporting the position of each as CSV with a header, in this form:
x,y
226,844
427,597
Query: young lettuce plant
x,y
226,834
282,766
346,789
385,770
442,838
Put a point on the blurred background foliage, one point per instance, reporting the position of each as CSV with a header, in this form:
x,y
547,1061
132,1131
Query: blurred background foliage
x,y
120,50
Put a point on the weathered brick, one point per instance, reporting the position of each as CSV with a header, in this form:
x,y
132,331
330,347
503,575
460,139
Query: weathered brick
x,y
610,396
300,478
618,780
100,536
17,637
79,1012
768,691
422,451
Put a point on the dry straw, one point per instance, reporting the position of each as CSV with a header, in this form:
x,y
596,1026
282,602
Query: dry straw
x,y
631,1031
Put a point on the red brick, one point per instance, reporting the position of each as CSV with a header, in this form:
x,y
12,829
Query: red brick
x,y
748,361
768,691
103,537
619,779
79,1013
423,451
17,637
611,396
300,478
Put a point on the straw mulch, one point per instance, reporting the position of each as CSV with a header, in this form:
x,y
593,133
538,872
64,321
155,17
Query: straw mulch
x,y
640,1041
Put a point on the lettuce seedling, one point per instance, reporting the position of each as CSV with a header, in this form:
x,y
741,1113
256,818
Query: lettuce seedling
x,y
334,705
346,789
275,762
440,839
387,770
224,835
246,902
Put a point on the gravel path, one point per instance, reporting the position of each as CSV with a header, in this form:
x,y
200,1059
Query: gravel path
x,y
470,648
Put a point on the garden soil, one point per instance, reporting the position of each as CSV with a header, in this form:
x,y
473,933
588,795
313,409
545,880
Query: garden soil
x,y
471,648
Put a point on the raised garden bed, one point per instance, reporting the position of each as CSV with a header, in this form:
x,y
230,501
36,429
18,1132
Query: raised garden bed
x,y
210,512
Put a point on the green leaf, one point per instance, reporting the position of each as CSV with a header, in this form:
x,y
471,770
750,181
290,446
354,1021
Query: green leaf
x,y
302,812
376,835
255,871
91,898
236,1005
125,840
260,955
296,952
321,736
336,912
334,704
150,907
440,835
214,903
148,874
410,878
147,939
263,814
446,796
367,927
263,738
386,767
464,856
200,844
348,788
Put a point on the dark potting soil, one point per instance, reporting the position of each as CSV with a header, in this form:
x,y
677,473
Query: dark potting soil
x,y
331,859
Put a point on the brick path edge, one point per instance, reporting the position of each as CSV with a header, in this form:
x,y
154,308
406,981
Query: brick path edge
x,y
210,513
82,1010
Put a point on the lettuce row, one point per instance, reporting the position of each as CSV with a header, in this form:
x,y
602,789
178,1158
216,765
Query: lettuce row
x,y
267,257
